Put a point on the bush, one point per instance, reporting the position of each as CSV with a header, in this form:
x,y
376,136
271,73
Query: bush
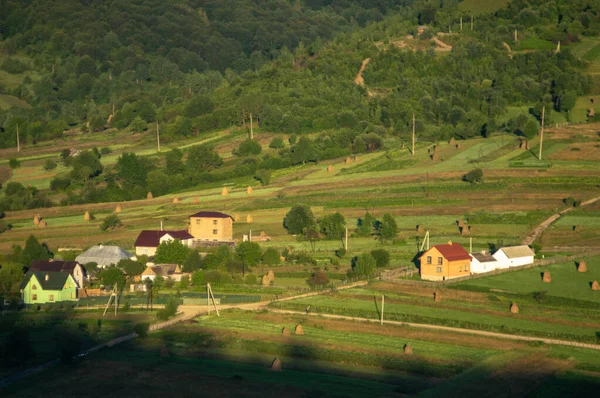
x,y
539,296
49,165
111,222
276,143
341,252
248,147
169,310
364,264
264,176
105,151
382,257
474,176
571,202
14,163
318,278
251,280
271,257
141,329
60,184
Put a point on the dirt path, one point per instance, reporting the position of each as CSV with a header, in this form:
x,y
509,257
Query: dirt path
x,y
442,46
546,223
359,80
451,329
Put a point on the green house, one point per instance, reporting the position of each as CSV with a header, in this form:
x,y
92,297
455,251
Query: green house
x,y
48,287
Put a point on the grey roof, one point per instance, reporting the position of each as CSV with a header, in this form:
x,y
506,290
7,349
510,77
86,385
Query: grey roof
x,y
483,257
518,251
103,255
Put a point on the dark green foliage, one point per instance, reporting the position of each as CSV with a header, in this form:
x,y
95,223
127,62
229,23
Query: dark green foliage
x,y
341,252
111,222
169,310
250,280
264,176
141,329
474,176
333,226
11,275
16,348
249,254
171,252
34,250
248,147
382,257
364,264
271,257
298,219
14,163
112,275
49,165
386,228
131,267
277,143
571,202
193,261
85,166
539,296
318,279
365,225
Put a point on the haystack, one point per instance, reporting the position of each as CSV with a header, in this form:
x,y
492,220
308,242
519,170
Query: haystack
x,y
591,112
408,349
514,308
299,331
437,297
460,223
546,277
330,169
118,209
452,141
249,219
348,160
285,332
236,217
435,157
87,216
595,285
224,192
356,159
465,230
577,228
175,200
276,365
37,219
249,190
420,228
582,266
149,196
265,281
164,352
271,275
459,146
42,224
195,199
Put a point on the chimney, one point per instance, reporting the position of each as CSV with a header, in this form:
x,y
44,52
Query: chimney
x,y
450,242
51,260
47,277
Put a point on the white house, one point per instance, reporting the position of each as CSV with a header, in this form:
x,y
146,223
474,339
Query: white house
x,y
148,241
515,255
484,262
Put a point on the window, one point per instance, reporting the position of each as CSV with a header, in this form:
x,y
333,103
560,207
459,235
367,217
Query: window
x,y
215,222
72,295
428,259
215,231
438,269
34,297
440,261
460,269
198,221
466,268
51,297
34,287
144,251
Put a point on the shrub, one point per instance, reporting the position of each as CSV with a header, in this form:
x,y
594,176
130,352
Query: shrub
x,y
318,278
105,151
111,222
293,139
169,310
474,176
251,280
60,184
539,296
271,257
276,143
126,307
14,163
571,202
248,147
141,329
382,257
264,176
341,252
364,264
49,165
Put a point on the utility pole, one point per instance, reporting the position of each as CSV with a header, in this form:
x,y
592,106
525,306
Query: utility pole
x,y
461,24
516,37
471,22
157,137
542,132
251,128
413,135
382,305
18,142
346,239
470,244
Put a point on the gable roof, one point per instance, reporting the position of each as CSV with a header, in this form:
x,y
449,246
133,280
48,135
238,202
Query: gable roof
x,y
56,280
517,251
453,252
103,255
162,270
53,266
483,257
211,214
152,238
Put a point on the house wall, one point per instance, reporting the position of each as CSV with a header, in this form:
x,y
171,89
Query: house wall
x,y
213,229
447,269
512,262
40,296
78,275
145,251
478,267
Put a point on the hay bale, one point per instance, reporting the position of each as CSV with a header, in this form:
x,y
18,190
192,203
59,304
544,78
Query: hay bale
x,y
356,159
464,230
37,219
452,141
595,285
582,266
420,228
271,275
224,192
195,199
149,196
299,331
577,228
437,297
435,157
348,160
175,201
164,352
249,219
249,189
591,112
87,216
118,209
275,365
546,277
236,217
42,224
330,169
285,332
514,308
460,223
265,281
459,146
408,349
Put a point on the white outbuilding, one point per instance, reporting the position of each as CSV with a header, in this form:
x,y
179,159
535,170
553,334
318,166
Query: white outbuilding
x,y
515,256
484,262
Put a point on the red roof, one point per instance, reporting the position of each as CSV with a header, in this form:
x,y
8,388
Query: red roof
x,y
453,252
211,214
53,266
152,238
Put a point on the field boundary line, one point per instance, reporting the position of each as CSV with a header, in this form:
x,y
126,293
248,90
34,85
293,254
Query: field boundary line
x,y
449,329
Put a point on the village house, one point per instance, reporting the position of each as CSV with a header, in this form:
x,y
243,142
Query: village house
x,y
443,262
104,256
211,226
484,262
148,241
74,268
48,287
514,256
167,271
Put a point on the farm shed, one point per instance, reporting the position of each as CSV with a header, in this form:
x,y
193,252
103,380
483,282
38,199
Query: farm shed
x,y
484,262
513,256
443,262
102,255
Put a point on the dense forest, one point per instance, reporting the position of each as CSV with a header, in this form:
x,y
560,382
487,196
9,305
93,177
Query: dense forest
x,y
201,65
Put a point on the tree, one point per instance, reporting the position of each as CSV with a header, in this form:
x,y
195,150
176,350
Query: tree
x,y
198,106
277,143
49,165
387,228
248,253
184,283
250,106
264,176
382,257
364,264
14,163
473,176
111,222
271,257
138,125
171,252
34,250
365,225
304,151
11,275
131,267
192,262
112,275
298,219
248,147
333,226
531,129
318,278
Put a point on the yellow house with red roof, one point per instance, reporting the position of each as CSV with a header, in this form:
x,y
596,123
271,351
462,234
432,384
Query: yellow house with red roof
x,y
443,262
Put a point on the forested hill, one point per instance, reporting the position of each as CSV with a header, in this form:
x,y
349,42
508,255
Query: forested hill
x,y
201,65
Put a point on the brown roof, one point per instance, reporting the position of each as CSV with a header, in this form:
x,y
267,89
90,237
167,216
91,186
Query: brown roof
x,y
211,214
162,270
517,251
152,238
484,257
53,266
453,252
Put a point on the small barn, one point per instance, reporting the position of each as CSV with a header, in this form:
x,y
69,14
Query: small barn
x,y
484,262
514,256
48,287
